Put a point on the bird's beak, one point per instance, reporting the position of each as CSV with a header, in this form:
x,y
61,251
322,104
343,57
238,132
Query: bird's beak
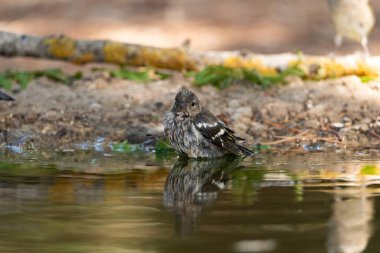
x,y
177,109
182,114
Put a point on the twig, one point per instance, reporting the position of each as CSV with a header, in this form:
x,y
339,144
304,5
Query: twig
x,y
277,125
291,138
303,137
374,134
312,137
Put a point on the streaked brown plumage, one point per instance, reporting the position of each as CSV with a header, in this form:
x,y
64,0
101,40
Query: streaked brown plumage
x,y
195,132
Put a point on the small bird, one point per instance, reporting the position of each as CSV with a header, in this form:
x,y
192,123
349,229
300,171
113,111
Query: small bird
x,y
195,132
5,97
353,19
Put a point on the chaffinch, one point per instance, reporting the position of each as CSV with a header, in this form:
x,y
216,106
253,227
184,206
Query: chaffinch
x,y
195,132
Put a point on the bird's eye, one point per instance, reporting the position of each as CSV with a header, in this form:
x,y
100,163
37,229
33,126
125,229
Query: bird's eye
x,y
193,103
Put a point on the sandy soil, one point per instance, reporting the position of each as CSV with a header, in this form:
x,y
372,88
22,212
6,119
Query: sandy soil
x,y
341,113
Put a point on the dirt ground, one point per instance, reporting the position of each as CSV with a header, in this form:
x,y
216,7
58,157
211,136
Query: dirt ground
x,y
341,113
313,115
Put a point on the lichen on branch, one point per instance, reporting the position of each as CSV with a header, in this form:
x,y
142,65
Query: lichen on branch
x,y
85,51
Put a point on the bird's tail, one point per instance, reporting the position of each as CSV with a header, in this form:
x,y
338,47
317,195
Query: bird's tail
x,y
245,151
4,96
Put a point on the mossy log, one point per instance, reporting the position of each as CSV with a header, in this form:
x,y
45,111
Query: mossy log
x,y
105,51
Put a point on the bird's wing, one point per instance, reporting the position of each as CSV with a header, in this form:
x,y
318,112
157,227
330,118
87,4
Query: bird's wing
x,y
215,131
229,130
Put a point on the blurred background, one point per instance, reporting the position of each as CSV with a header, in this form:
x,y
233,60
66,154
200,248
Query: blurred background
x,y
264,26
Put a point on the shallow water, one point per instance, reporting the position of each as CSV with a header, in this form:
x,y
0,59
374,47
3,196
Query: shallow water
x,y
95,202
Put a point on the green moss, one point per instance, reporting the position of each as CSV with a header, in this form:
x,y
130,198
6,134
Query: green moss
x,y
222,77
370,170
125,147
5,81
259,147
145,75
366,79
10,77
164,150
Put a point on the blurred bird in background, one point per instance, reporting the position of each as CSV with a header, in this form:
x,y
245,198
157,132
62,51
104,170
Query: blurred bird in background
x,y
5,97
353,19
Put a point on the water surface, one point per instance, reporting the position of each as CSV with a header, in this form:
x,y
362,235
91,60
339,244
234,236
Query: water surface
x,y
96,202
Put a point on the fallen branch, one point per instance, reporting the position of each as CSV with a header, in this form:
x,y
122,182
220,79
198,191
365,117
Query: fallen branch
x,y
105,51
85,51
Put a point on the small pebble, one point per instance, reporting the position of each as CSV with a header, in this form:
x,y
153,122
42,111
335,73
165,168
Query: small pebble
x,y
337,125
377,121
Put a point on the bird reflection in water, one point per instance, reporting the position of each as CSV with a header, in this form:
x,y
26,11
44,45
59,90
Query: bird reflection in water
x,y
193,185
350,226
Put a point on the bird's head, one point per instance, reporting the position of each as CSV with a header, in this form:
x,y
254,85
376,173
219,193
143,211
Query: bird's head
x,y
186,104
